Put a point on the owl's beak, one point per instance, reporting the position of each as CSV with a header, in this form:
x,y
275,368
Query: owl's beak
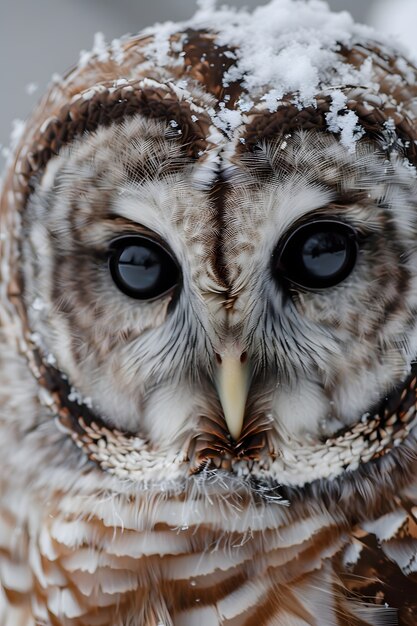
x,y
232,387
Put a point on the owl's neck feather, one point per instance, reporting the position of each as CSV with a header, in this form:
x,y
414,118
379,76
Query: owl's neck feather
x,y
127,454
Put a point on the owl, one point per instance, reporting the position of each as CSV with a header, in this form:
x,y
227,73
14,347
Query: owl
x,y
208,327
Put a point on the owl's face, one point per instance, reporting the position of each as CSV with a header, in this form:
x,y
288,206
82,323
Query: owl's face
x,y
233,308
213,261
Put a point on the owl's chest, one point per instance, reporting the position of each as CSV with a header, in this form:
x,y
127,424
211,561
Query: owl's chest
x,y
84,571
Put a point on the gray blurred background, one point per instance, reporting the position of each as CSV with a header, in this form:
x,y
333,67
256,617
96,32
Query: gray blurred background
x,y
41,37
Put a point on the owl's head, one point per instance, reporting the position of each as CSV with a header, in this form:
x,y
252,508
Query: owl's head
x,y
212,250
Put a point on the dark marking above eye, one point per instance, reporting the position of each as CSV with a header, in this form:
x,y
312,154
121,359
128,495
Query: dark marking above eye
x,y
142,268
316,255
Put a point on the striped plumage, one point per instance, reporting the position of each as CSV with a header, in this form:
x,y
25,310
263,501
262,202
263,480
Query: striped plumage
x,y
125,501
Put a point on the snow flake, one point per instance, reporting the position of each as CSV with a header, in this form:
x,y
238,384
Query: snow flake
x,y
84,58
18,127
100,49
50,359
31,88
227,120
38,304
206,6
117,51
342,120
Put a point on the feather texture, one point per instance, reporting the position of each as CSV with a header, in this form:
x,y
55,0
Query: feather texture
x,y
125,501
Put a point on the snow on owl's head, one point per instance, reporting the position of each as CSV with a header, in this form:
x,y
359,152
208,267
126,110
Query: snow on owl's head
x,y
211,248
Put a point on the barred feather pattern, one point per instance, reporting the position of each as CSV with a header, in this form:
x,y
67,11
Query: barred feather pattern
x,y
124,501
90,549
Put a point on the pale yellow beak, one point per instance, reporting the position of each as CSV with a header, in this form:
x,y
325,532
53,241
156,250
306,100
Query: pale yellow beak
x,y
232,387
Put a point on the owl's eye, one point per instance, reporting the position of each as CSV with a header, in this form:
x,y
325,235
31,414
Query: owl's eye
x,y
142,268
317,255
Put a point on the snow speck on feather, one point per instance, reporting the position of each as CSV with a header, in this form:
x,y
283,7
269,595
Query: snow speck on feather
x,y
100,50
341,120
18,128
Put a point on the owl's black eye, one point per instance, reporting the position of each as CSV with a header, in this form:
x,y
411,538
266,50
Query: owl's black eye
x,y
142,268
317,255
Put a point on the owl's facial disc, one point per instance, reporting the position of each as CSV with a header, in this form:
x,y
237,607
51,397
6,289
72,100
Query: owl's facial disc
x,y
251,332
